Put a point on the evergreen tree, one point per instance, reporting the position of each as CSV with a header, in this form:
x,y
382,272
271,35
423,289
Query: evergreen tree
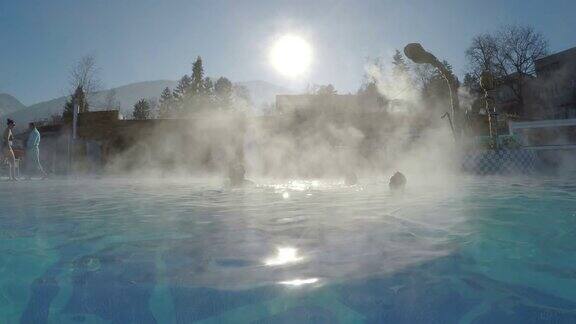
x,y
436,89
142,110
197,81
472,84
326,90
205,99
79,98
447,65
207,87
183,88
223,92
68,109
196,92
166,103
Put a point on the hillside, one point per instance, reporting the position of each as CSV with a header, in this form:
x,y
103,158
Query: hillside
x,y
9,104
126,95
261,92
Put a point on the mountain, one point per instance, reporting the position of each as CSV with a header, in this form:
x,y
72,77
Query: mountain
x,y
125,96
9,104
261,93
129,94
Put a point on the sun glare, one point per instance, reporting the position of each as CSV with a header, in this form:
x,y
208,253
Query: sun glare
x,y
299,282
291,55
285,255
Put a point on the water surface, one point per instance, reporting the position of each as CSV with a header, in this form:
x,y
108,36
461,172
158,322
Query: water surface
x,y
489,250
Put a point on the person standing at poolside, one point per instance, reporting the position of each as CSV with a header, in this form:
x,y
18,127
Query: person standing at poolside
x,y
33,152
7,140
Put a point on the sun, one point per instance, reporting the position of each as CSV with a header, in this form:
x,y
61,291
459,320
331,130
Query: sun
x,y
291,55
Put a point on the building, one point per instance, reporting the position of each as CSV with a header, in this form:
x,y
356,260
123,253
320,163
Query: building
x,y
308,135
331,103
506,99
549,94
104,140
553,92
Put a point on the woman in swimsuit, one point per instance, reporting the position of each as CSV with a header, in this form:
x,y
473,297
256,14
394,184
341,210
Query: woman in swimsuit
x,y
7,139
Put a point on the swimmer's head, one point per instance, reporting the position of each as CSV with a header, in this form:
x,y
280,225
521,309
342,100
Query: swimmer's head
x,y
351,179
397,181
236,173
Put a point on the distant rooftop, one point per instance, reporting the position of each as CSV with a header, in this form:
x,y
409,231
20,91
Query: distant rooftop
x,y
556,56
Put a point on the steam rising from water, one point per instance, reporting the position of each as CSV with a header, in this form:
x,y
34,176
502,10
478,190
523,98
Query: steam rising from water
x,y
397,86
235,239
181,238
307,144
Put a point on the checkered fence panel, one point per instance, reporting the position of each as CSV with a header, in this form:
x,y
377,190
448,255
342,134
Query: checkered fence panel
x,y
505,161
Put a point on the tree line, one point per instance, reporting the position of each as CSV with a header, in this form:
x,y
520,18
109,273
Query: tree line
x,y
193,93
196,93
508,53
401,79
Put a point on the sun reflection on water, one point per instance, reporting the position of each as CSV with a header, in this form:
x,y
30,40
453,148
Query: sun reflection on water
x,y
284,256
299,282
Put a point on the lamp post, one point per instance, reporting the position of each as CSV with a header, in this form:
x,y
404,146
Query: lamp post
x,y
416,53
79,93
487,84
72,137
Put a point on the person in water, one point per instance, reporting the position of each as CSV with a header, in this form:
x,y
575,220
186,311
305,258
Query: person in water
x,y
33,152
397,181
7,142
236,175
350,179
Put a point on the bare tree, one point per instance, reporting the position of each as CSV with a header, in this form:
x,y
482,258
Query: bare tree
x,y
519,47
111,102
83,81
84,74
319,89
509,54
481,54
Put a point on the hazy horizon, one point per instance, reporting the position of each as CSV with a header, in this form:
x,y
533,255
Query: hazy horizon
x,y
136,41
105,89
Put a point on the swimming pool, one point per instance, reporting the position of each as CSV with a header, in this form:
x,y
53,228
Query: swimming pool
x,y
488,250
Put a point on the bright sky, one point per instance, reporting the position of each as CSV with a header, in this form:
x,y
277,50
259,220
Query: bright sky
x,y
138,40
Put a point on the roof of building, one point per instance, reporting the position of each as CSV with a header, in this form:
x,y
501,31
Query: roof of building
x,y
556,56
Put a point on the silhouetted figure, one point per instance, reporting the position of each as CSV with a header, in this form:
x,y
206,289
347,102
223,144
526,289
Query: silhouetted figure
x,y
397,181
350,179
236,175
8,153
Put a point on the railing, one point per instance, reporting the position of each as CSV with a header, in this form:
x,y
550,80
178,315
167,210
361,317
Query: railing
x,y
554,134
515,125
552,147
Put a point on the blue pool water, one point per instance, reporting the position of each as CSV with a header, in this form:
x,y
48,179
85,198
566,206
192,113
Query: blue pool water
x,y
489,250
